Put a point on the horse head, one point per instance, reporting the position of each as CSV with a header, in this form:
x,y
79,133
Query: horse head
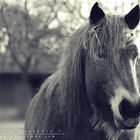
x,y
111,78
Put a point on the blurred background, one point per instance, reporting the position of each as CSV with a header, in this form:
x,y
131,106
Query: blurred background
x,y
32,33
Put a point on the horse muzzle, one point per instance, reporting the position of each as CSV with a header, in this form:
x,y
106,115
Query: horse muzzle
x,y
130,114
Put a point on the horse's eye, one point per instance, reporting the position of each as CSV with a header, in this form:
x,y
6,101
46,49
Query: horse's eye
x,y
131,34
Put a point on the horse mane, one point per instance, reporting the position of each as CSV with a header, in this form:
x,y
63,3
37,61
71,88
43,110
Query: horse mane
x,y
69,79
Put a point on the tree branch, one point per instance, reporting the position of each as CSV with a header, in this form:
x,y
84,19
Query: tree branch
x,y
9,41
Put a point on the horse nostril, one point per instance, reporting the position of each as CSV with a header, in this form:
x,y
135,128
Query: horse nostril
x,y
127,110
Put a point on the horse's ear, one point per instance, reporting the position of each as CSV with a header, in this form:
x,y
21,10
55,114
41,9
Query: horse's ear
x,y
96,14
132,18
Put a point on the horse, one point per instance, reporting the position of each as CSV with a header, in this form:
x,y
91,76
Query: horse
x,y
93,94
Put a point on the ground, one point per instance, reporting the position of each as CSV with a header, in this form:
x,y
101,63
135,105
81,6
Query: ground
x,y
10,129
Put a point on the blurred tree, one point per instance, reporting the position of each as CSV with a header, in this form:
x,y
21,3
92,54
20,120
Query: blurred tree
x,y
21,34
33,30
30,30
